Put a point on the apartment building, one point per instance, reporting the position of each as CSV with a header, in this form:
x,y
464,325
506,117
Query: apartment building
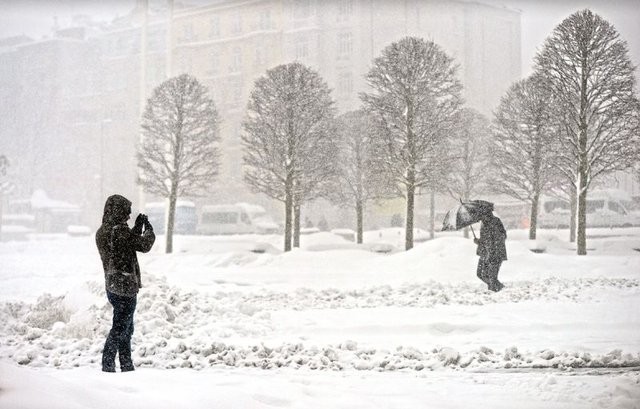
x,y
231,43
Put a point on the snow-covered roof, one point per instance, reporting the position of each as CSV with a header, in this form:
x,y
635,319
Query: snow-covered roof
x,y
40,200
611,194
161,205
251,208
221,208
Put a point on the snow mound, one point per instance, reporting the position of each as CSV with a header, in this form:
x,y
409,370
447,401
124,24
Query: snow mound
x,y
188,329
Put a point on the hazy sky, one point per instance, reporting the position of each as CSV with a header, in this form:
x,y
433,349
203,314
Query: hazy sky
x,y
539,17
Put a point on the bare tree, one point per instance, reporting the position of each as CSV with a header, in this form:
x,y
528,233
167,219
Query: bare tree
x,y
524,147
286,139
317,171
469,156
359,179
587,68
178,155
415,99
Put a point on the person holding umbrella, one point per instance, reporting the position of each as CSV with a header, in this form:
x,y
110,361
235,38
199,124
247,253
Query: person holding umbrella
x,y
491,244
491,249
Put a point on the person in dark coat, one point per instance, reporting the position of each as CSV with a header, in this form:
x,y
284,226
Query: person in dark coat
x,y
117,245
491,249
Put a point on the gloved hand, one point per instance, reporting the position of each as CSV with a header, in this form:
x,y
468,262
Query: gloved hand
x,y
147,225
139,222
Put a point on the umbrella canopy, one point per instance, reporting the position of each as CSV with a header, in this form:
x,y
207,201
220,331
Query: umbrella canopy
x,y
466,214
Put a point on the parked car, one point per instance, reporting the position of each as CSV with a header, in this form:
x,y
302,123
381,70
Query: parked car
x,y
185,221
239,218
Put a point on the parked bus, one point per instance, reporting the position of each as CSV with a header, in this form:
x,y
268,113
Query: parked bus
x,y
605,208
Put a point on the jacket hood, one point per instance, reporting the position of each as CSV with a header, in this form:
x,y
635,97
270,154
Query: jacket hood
x,y
116,210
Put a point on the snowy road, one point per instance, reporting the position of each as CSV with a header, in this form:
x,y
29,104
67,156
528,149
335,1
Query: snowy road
x,y
303,389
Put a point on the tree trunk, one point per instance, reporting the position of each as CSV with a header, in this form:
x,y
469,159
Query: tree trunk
x,y
288,209
533,224
582,212
173,198
359,219
573,204
296,225
408,241
583,162
465,198
432,214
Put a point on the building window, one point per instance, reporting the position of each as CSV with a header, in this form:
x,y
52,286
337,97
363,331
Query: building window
x,y
345,84
236,24
122,44
214,27
260,59
185,63
235,91
214,62
345,45
345,10
187,33
265,20
157,41
302,48
301,9
236,60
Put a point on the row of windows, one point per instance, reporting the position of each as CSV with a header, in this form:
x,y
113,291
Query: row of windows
x,y
214,65
301,10
301,51
234,26
230,91
129,43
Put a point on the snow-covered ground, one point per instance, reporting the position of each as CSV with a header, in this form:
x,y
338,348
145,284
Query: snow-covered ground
x,y
232,322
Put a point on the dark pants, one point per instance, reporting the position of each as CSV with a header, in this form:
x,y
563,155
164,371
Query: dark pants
x,y
119,339
488,272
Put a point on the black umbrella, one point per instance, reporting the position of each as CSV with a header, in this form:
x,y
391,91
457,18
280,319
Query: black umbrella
x,y
465,214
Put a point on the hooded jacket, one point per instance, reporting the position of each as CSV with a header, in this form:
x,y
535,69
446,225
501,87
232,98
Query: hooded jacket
x,y
118,244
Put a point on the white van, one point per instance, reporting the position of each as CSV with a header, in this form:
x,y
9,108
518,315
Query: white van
x,y
605,208
185,217
239,218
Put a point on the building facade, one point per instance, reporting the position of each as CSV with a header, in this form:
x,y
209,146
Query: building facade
x,y
71,104
229,44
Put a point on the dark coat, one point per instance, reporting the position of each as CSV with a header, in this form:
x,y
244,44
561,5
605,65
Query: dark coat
x,y
118,244
492,238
